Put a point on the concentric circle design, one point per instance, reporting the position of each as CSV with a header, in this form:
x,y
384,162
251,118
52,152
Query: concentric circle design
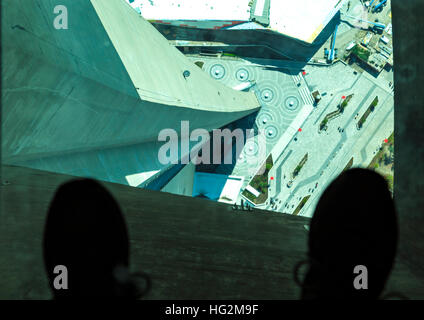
x,y
291,103
242,74
267,95
280,103
249,71
271,132
251,148
217,71
269,92
264,118
253,155
268,115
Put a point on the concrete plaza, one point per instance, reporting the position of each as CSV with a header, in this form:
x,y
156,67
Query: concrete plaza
x,y
283,98
283,95
330,151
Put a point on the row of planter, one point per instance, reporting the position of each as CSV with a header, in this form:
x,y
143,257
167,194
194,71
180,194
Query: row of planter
x,y
332,115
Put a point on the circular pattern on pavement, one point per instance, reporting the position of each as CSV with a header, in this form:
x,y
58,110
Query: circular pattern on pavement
x,y
270,92
249,71
269,115
251,148
264,118
242,74
217,71
253,155
271,132
291,103
267,95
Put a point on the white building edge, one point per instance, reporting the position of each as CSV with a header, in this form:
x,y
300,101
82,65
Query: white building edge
x,y
300,19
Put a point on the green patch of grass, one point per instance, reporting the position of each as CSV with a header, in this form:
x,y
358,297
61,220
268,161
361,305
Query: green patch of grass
x,y
301,205
249,196
229,54
260,183
300,165
323,124
367,113
344,104
361,52
199,64
374,103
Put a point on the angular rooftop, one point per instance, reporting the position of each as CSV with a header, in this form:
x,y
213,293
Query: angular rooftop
x,y
302,19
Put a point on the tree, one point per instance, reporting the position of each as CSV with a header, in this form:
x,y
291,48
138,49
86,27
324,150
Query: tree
x,y
374,103
342,106
386,159
323,124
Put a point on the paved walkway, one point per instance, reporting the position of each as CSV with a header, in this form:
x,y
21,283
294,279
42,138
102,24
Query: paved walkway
x,y
283,97
330,151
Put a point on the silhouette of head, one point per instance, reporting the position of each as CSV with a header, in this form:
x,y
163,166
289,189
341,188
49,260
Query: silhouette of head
x,y
86,232
354,224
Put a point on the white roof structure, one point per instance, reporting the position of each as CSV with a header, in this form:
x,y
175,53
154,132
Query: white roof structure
x,y
300,19
193,9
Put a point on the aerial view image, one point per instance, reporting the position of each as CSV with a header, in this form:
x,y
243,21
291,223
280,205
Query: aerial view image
x,y
199,149
322,76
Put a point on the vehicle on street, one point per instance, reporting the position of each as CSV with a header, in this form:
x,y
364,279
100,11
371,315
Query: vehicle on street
x,y
367,38
351,45
384,39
